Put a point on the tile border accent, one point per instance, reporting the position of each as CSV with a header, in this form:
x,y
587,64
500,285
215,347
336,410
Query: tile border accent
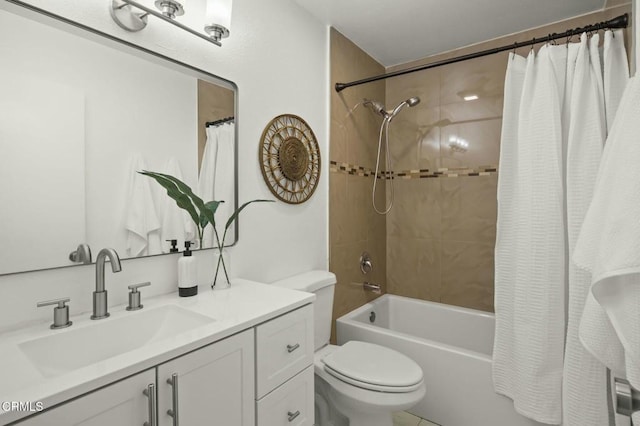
x,y
352,169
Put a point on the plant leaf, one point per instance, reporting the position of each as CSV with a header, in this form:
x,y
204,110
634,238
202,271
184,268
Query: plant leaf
x,y
235,214
184,188
211,206
173,190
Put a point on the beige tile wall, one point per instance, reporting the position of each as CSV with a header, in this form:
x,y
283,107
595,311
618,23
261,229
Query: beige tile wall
x,y
353,225
441,232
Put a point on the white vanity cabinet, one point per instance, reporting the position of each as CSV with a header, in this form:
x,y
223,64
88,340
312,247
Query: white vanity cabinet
x,y
215,386
121,403
260,376
284,370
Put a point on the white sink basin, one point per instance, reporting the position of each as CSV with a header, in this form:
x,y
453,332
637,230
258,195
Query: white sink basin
x,y
72,349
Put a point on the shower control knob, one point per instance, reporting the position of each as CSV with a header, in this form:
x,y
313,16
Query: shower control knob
x,y
365,263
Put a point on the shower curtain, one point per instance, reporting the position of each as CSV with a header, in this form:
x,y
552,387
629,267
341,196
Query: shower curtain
x,y
554,127
216,178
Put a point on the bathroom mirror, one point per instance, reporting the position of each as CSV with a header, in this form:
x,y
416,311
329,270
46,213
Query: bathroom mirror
x,y
80,114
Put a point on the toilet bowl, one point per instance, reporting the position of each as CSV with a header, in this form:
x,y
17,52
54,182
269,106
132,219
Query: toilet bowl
x,y
358,383
360,395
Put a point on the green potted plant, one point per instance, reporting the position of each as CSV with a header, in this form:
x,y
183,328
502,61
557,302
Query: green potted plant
x,y
200,212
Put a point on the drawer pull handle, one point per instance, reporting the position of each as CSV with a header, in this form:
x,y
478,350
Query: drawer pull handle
x,y
173,412
150,392
292,416
291,348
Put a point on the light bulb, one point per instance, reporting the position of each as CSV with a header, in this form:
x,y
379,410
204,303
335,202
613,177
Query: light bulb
x,y
219,13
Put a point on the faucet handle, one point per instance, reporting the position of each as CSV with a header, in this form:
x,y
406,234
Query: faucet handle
x,y
134,296
60,312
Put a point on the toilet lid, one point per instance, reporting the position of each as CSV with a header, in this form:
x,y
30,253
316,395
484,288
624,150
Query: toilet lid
x,y
373,367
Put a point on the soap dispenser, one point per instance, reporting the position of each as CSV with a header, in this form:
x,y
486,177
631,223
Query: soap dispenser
x,y
187,273
174,246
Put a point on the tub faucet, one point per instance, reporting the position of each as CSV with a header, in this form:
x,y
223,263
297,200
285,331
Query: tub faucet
x,y
100,295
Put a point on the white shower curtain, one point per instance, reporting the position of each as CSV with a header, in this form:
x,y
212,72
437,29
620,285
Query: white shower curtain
x,y
216,179
554,128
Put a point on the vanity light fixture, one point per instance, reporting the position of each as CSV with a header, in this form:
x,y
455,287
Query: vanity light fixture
x,y
132,15
218,19
170,8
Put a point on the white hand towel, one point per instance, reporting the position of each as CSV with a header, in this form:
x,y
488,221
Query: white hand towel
x,y
609,247
535,380
141,220
585,380
616,72
176,223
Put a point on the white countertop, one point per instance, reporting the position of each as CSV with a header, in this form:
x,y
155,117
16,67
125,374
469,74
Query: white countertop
x,y
242,306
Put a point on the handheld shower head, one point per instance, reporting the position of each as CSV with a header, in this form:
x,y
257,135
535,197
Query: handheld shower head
x,y
411,102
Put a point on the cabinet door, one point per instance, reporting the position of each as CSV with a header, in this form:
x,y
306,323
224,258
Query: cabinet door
x,y
121,403
215,385
291,404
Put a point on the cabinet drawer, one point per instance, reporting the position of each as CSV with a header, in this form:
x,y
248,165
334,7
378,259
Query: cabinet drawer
x,y
289,405
284,347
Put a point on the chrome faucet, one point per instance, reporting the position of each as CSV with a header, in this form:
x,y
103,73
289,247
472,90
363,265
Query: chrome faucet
x,y
100,295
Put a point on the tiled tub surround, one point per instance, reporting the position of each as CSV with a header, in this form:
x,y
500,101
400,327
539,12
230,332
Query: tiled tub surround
x,y
353,225
440,232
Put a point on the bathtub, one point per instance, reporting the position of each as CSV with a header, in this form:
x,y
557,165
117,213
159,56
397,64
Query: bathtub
x,y
452,345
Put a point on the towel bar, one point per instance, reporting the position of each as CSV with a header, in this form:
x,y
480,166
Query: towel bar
x,y
627,398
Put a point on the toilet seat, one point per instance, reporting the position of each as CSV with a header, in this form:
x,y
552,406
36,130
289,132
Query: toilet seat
x,y
373,367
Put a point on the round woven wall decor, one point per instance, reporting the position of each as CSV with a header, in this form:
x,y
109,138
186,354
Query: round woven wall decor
x,y
290,158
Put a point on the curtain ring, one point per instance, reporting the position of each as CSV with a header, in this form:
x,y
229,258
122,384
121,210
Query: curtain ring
x,y
569,37
533,42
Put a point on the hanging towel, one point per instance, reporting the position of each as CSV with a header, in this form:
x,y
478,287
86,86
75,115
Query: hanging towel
x,y
585,378
533,377
216,179
609,248
505,256
176,223
141,220
616,72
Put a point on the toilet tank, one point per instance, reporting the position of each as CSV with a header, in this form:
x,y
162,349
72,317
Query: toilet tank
x,y
322,284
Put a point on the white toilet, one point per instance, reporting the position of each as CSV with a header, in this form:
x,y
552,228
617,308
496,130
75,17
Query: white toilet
x,y
358,383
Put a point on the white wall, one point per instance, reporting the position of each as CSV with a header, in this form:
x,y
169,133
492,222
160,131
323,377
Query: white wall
x,y
636,32
277,55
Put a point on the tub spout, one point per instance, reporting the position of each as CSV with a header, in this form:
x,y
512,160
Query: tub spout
x,y
375,288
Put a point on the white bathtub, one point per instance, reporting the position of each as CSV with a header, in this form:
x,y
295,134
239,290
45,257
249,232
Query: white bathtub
x,y
452,345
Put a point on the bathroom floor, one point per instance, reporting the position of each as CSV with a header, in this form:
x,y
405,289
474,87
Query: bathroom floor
x,y
402,418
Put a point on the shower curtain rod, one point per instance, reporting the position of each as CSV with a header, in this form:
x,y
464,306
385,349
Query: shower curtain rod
x,y
219,122
621,21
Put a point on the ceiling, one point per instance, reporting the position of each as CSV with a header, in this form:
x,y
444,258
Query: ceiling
x,y
398,31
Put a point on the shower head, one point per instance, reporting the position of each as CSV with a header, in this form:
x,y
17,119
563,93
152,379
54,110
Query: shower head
x,y
376,106
379,108
411,102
